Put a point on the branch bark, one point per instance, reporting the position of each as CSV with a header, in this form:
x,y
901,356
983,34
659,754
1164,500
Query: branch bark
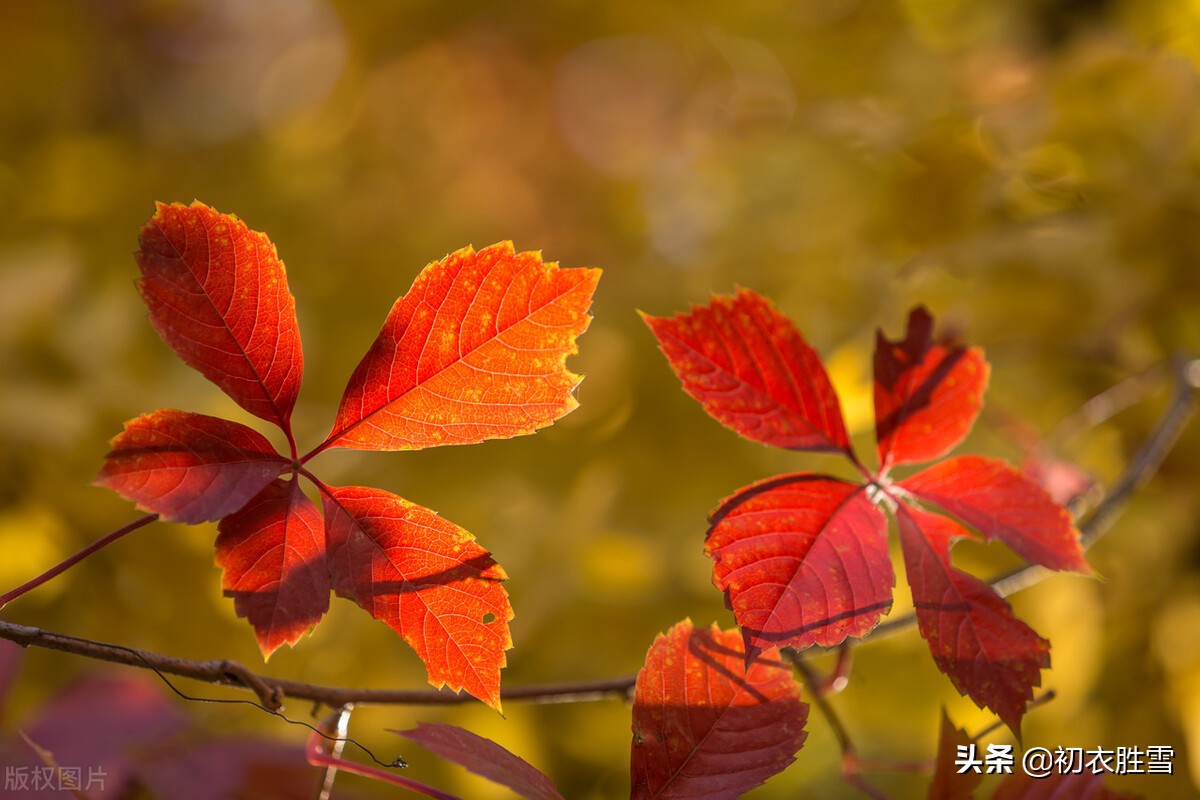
x,y
272,692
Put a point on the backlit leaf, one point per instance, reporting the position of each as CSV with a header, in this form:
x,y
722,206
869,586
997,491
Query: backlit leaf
x,y
948,782
426,578
100,724
802,559
475,350
273,554
11,656
218,295
483,757
189,467
753,372
989,654
927,395
706,725
233,767
1001,503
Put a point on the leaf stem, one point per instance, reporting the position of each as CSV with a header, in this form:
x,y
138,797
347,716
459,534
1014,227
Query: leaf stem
x,y
316,451
75,559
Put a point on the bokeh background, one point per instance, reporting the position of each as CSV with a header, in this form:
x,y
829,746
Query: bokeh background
x,y
1029,170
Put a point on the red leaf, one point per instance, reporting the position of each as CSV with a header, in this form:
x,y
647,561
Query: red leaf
x,y
1003,504
189,467
476,350
989,654
426,578
1058,786
218,295
948,783
753,372
706,725
102,724
802,559
927,396
485,758
273,554
11,656
229,768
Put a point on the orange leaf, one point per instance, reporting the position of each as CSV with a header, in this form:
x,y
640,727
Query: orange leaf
x,y
218,295
427,579
475,350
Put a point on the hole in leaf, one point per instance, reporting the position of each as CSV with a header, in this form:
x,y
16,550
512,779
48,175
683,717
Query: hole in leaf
x,y
489,618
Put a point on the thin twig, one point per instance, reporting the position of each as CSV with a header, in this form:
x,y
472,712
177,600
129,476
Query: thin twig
x,y
75,559
272,691
850,761
812,685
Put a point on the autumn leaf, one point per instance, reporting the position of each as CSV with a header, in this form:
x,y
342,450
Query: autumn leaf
x,y
1001,503
927,396
753,372
99,723
475,350
948,782
189,467
218,296
117,735
273,554
484,758
707,723
976,640
803,560
427,579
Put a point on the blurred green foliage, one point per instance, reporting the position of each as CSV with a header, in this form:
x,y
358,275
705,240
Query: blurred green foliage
x,y
1030,170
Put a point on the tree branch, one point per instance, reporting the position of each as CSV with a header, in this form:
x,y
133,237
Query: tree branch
x,y
58,569
272,691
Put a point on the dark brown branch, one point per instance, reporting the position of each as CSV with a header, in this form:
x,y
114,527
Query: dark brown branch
x,y
1186,379
271,692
